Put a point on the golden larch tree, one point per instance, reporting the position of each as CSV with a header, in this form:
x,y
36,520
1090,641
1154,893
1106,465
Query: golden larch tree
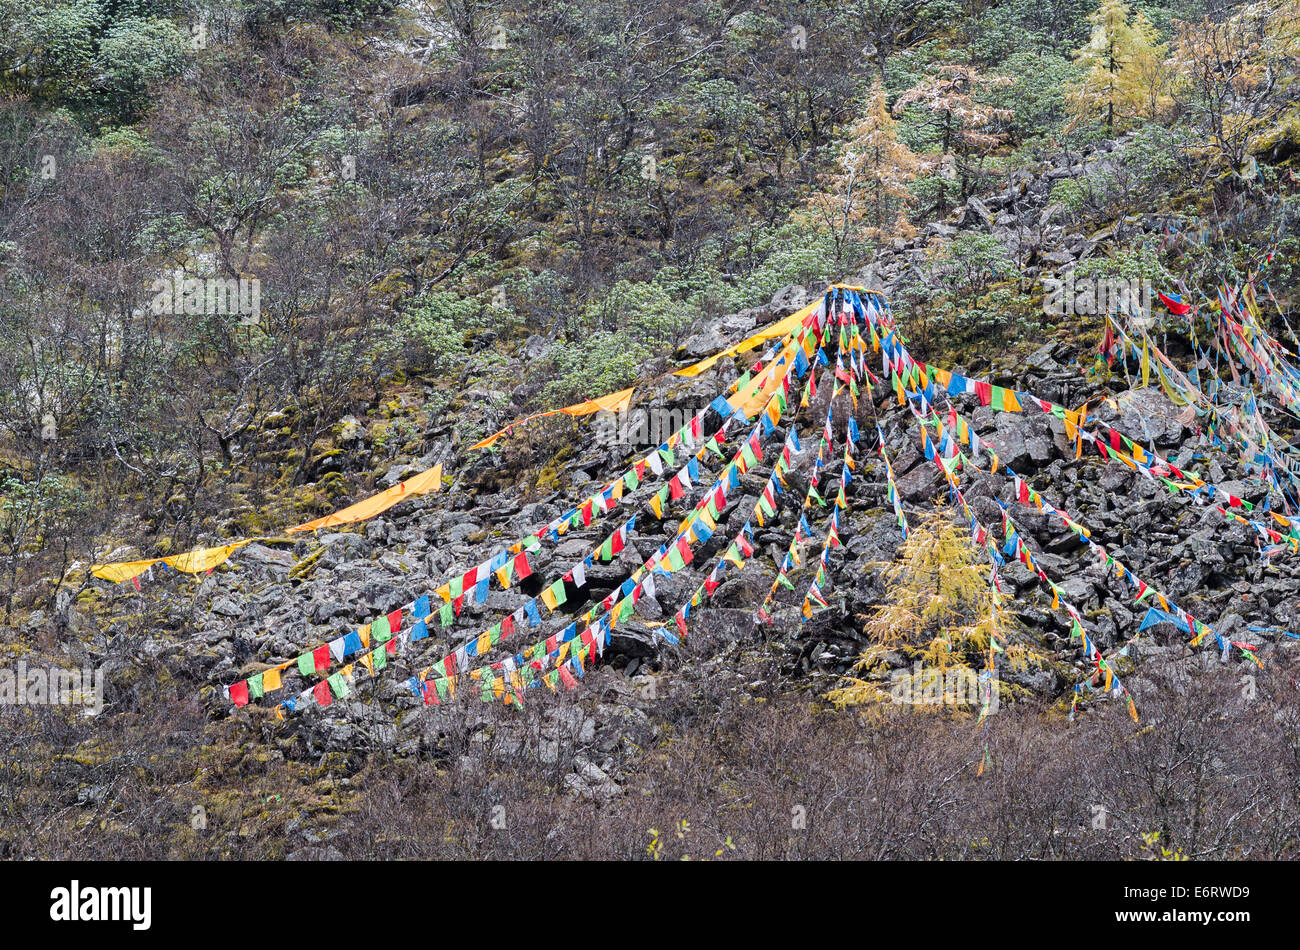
x,y
1128,74
939,611
869,192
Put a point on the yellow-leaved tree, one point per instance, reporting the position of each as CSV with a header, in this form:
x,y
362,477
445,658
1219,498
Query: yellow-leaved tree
x,y
1129,76
940,613
1239,76
868,196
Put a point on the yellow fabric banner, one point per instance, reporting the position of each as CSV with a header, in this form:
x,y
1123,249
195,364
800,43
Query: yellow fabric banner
x,y
614,402
192,562
619,401
422,484
772,331
205,559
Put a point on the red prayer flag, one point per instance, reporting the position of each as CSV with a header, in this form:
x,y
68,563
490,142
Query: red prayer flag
x,y
322,693
321,657
567,677
1174,306
239,693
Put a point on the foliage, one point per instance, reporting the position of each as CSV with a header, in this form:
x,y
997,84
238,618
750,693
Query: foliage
x,y
939,609
870,191
968,263
1238,78
966,126
1129,263
31,511
135,54
436,323
1127,76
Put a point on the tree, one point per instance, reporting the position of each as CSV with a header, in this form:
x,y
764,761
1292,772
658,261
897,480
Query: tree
x,y
938,610
1237,75
968,263
1149,77
870,189
1128,75
968,128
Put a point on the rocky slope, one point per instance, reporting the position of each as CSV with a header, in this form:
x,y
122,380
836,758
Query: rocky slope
x,y
276,600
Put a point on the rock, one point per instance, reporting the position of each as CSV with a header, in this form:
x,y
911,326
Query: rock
x,y
920,484
789,299
226,607
704,344
976,214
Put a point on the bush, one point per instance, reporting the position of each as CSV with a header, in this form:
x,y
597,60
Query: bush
x,y
970,262
134,54
434,326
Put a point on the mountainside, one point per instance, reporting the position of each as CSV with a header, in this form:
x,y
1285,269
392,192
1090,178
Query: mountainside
x,y
692,615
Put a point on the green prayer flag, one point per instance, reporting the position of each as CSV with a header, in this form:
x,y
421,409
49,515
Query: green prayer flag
x,y
380,630
339,685
306,664
255,687
380,657
446,616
